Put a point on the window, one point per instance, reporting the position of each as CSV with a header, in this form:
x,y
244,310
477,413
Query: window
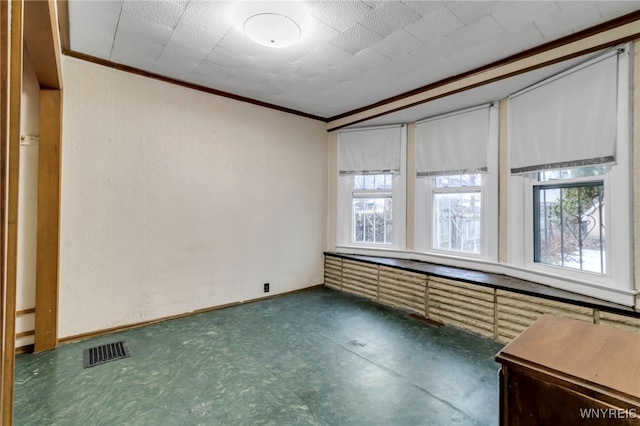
x,y
569,219
372,211
371,187
457,213
456,185
570,186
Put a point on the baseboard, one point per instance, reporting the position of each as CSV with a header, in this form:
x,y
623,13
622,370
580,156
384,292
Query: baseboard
x,y
85,336
24,349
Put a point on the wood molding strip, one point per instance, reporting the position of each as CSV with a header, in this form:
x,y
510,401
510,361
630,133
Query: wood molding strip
x,y
41,38
25,333
48,228
5,27
16,13
25,312
192,86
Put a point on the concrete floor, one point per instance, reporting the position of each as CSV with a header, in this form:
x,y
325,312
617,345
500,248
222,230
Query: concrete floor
x,y
319,357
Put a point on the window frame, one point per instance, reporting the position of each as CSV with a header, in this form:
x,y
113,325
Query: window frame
x,y
616,284
570,183
346,190
457,190
372,193
425,190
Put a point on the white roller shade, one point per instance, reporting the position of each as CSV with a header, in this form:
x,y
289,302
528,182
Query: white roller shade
x,y
566,121
369,151
453,143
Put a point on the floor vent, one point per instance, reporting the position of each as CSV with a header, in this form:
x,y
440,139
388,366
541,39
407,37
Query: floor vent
x,y
105,353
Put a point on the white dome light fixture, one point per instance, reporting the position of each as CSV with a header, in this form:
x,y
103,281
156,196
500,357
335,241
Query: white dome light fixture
x,y
272,29
273,24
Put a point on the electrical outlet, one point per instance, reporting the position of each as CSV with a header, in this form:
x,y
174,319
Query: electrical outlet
x,y
266,287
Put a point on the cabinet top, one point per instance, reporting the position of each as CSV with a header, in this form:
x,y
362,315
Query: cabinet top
x,y
580,352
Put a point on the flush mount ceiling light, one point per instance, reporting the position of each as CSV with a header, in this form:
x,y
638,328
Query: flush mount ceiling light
x,y
272,29
272,24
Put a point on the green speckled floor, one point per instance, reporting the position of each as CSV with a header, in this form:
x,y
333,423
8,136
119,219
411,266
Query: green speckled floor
x,y
319,357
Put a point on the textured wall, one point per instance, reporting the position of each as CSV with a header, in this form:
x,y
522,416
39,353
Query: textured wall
x,y
497,314
175,200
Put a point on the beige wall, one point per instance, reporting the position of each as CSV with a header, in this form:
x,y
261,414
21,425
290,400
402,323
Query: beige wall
x,y
175,200
27,201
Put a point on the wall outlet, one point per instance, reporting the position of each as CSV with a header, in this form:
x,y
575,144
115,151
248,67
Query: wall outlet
x,y
266,287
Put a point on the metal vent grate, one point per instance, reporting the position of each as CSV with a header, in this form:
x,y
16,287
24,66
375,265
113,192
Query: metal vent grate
x,y
105,353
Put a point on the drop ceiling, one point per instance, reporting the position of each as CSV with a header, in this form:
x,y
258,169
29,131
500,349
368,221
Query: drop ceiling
x,y
355,53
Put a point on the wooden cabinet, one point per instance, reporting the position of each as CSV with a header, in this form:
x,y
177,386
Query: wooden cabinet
x,y
565,372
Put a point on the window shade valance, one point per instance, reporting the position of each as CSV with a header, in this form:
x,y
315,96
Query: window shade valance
x,y
369,151
569,120
453,143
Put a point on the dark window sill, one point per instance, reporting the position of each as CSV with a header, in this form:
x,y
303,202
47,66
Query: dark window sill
x,y
497,281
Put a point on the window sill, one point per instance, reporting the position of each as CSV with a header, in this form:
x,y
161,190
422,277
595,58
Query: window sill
x,y
493,280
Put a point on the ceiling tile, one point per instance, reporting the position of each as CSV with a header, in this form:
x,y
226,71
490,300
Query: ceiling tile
x,y
339,74
236,47
583,13
97,45
435,24
181,54
481,30
207,80
610,9
134,28
424,7
325,54
273,61
94,9
573,16
194,38
437,48
140,57
345,63
438,70
523,12
389,18
403,64
340,15
169,67
228,58
250,75
165,13
250,89
502,46
527,36
471,11
374,4
319,32
367,59
355,39
94,26
397,44
212,71
478,55
213,16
